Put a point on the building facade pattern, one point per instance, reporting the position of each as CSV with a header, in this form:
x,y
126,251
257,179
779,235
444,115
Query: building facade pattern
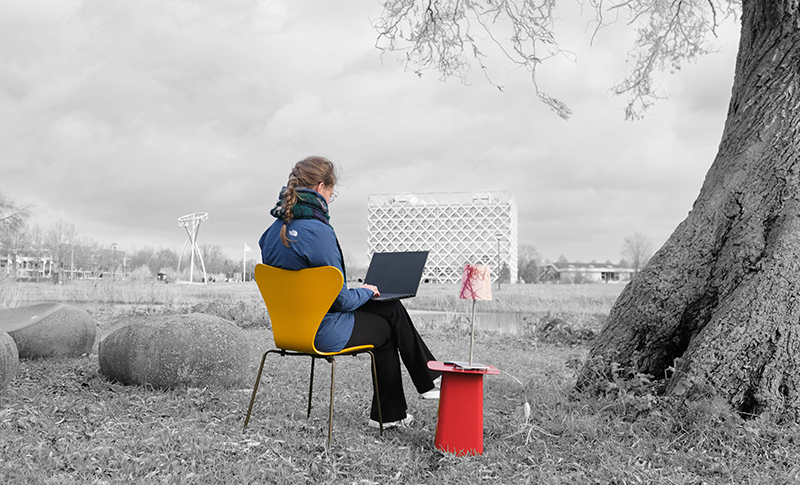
x,y
457,228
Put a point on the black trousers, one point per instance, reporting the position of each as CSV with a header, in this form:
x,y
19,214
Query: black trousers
x,y
388,327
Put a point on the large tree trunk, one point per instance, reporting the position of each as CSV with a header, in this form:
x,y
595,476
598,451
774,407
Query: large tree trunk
x,y
717,308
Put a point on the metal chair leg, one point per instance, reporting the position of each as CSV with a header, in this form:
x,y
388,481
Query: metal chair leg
x,y
255,388
310,387
332,361
330,411
377,393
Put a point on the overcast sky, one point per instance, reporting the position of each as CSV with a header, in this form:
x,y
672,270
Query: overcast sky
x,y
120,117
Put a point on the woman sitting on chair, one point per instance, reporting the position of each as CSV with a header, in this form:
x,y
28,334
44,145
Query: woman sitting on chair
x,y
302,237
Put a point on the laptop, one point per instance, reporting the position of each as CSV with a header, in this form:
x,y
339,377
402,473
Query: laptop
x,y
397,275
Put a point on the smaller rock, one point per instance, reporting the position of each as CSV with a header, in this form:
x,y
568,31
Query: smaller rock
x,y
49,330
9,360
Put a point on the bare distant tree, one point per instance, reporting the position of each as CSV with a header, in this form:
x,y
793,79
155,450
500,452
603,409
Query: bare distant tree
x,y
36,237
218,263
60,240
165,258
637,249
14,229
13,218
88,255
158,260
143,256
16,240
529,262
355,267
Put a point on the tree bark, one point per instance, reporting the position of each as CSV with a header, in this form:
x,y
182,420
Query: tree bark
x,y
716,310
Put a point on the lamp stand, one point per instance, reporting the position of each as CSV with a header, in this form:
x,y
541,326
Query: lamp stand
x,y
472,334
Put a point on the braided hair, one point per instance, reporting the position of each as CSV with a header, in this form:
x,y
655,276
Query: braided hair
x,y
307,173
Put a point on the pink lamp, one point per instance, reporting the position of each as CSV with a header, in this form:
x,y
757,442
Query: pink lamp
x,y
476,284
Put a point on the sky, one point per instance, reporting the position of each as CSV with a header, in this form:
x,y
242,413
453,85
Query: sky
x,y
120,117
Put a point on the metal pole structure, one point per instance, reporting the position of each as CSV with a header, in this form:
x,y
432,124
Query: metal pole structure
x,y
191,223
191,263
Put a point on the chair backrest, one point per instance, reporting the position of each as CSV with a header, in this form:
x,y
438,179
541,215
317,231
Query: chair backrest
x,y
297,301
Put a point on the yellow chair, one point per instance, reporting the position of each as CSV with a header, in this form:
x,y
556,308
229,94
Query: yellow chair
x,y
297,301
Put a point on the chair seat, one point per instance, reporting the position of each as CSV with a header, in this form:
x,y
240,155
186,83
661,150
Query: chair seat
x,y
348,350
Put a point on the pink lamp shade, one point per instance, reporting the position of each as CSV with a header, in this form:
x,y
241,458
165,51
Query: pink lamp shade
x,y
476,283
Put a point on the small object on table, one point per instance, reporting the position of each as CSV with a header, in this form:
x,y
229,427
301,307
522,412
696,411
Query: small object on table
x,y
466,365
459,427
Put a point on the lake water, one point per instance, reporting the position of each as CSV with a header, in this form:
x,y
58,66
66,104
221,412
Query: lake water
x,y
510,323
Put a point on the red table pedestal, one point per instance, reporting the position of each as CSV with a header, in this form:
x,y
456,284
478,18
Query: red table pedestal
x,y
459,427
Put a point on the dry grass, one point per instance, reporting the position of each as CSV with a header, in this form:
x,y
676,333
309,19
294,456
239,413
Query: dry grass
x,y
556,299
121,292
62,422
575,299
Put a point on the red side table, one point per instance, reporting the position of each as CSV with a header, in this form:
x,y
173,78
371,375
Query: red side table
x,y
459,427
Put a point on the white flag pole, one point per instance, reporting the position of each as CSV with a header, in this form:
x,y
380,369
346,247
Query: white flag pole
x,y
244,260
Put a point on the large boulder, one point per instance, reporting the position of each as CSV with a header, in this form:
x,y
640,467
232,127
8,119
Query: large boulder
x,y
167,351
9,359
49,330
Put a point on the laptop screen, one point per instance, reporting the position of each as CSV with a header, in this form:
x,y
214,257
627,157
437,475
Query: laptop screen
x,y
397,272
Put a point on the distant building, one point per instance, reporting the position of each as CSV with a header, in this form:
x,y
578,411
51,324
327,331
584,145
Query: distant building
x,y
587,273
86,263
457,228
26,267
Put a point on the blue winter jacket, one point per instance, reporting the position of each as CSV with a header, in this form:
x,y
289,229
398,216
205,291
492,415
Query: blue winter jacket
x,y
315,245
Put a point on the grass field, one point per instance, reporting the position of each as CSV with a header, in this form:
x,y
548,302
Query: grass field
x,y
576,299
63,422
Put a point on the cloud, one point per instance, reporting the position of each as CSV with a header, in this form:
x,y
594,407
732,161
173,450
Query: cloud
x,y
123,116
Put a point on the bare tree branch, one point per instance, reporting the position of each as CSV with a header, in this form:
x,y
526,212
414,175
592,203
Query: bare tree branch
x,y
445,35
11,214
441,35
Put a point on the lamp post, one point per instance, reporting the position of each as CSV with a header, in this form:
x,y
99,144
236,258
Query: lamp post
x,y
40,263
113,261
499,268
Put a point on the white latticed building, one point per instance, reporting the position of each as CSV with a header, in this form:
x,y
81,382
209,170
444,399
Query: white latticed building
x,y
457,228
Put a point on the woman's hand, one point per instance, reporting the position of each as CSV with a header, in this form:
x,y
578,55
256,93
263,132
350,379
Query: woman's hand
x,y
373,288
